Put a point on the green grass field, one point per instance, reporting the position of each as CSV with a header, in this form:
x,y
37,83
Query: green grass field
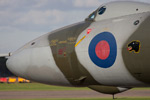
x,y
42,87
84,99
34,87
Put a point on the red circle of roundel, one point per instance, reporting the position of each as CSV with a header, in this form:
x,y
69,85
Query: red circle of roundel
x,y
102,50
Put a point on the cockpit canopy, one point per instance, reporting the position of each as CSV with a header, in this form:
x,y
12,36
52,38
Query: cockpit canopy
x,y
118,9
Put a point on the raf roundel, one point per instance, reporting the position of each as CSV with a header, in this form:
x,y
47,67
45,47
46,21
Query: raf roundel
x,y
103,50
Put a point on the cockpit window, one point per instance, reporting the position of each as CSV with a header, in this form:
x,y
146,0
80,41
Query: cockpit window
x,y
102,10
91,17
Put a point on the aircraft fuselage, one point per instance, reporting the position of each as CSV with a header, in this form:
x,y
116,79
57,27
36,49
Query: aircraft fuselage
x,y
112,50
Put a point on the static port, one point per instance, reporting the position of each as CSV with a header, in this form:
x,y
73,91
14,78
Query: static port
x,y
33,43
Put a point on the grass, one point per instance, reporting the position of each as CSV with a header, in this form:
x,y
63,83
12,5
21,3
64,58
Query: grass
x,y
40,87
141,88
43,87
84,99
34,87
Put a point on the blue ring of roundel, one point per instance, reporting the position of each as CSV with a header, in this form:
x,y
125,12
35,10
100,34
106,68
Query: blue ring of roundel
x,y
107,36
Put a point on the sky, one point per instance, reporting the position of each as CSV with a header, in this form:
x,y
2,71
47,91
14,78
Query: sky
x,y
24,20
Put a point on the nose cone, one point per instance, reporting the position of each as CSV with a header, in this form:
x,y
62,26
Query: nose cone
x,y
36,64
18,63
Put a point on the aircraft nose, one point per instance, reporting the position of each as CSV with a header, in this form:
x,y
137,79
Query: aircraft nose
x,y
18,63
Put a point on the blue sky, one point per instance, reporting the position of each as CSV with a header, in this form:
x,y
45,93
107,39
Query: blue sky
x,y
24,20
